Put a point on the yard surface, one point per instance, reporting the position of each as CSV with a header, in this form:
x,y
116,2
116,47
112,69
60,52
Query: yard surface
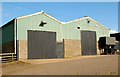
x,y
81,65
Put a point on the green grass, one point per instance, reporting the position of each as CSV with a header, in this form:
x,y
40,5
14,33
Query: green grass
x,y
112,73
77,73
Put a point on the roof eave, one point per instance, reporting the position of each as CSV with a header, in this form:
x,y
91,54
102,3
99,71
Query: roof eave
x,y
7,23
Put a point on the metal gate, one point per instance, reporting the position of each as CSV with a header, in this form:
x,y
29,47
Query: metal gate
x,y
60,50
41,44
88,42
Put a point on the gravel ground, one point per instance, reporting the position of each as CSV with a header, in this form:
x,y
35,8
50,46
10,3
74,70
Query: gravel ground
x,y
81,65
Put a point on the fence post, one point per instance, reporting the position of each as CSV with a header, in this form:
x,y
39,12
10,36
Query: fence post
x,y
12,57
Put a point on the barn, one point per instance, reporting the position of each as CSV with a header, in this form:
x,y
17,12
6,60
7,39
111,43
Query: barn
x,y
41,36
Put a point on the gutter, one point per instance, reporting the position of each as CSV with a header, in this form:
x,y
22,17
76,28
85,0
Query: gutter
x,y
15,46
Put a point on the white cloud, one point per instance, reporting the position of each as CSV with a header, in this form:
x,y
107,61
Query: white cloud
x,y
63,22
113,31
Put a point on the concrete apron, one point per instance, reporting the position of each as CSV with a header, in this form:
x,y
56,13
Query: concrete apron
x,y
46,61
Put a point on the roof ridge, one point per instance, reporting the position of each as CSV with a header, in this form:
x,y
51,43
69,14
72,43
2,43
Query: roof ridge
x,y
85,18
52,17
29,15
99,23
77,19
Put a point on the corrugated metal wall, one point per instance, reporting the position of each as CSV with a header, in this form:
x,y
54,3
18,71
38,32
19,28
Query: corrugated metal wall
x,y
63,31
8,32
7,37
33,23
88,42
70,30
41,45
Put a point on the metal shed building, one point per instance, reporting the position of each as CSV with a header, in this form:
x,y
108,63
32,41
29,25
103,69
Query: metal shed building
x,y
26,37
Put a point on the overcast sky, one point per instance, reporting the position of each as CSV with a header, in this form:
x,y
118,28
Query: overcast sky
x,y
105,13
